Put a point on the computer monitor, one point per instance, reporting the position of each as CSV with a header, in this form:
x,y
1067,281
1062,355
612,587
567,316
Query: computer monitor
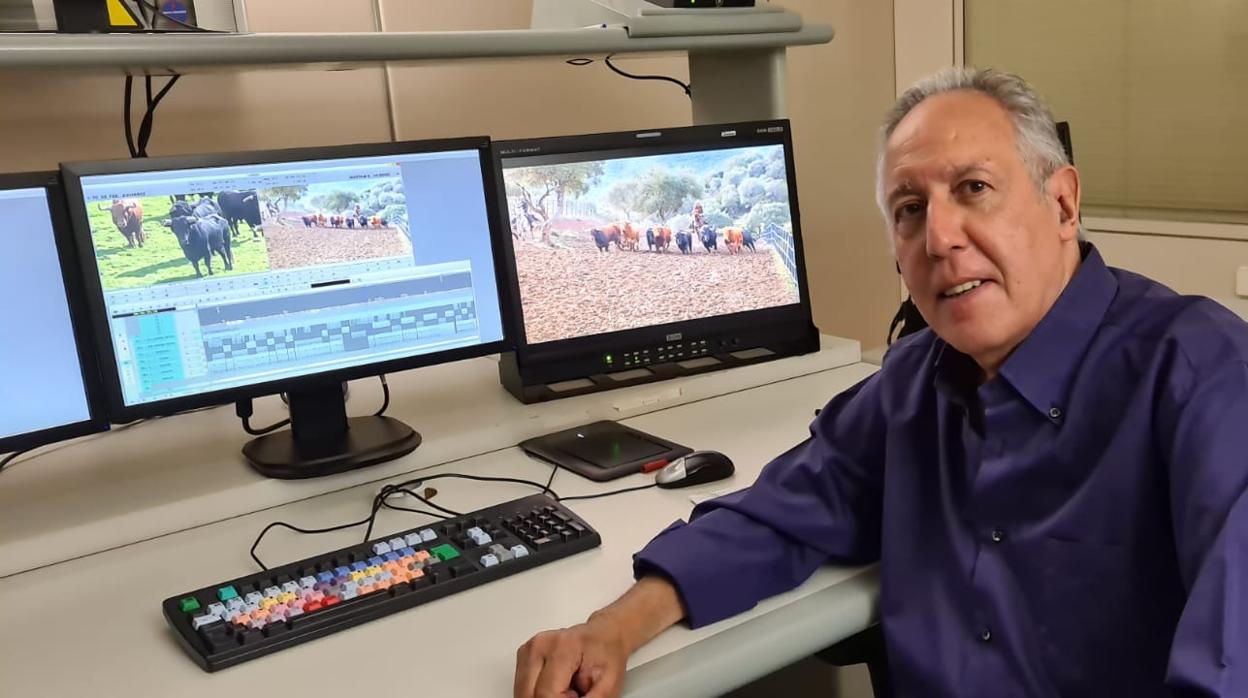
x,y
48,376
216,278
644,255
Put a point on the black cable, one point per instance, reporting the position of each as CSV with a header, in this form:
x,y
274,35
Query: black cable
x,y
243,409
390,489
380,500
145,127
607,494
297,529
263,430
632,76
128,95
385,396
554,469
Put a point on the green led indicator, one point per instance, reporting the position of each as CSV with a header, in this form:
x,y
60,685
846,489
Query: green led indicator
x,y
609,359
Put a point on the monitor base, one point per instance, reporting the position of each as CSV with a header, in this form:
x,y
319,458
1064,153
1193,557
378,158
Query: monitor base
x,y
366,441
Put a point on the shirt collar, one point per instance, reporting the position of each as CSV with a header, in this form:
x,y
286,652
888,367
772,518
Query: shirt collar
x,y
1040,369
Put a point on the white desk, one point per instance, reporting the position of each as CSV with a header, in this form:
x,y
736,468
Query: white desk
x,y
155,478
92,625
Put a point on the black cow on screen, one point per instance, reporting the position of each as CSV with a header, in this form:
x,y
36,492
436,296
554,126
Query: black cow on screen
x,y
201,237
241,207
709,239
684,241
603,237
748,240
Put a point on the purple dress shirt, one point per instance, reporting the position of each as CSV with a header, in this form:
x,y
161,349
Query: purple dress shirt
x,y
1077,526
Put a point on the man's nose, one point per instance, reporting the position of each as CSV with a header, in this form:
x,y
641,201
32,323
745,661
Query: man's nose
x,y
944,232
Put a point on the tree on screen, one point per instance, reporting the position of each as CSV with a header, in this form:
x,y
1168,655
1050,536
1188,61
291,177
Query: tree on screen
x,y
340,200
766,214
537,185
283,195
624,197
660,193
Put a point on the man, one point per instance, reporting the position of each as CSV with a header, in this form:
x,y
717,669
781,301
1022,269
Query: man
x,y
1052,477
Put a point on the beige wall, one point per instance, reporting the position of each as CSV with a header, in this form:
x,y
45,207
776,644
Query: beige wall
x,y
837,92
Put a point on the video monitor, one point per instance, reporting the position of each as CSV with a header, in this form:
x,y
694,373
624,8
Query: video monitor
x,y
48,374
216,278
640,248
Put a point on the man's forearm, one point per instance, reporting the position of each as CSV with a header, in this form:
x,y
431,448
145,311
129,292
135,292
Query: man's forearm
x,y
645,610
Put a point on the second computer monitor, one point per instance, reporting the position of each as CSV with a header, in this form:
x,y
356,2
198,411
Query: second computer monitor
x,y
649,254
215,278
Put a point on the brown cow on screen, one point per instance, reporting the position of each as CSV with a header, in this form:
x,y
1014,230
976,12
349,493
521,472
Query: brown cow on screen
x,y
128,217
630,238
733,239
662,238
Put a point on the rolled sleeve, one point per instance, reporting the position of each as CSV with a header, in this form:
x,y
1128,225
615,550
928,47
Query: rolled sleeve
x,y
818,502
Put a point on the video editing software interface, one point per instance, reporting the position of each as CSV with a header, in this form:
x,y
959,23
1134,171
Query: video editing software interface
x,y
41,381
222,277
620,239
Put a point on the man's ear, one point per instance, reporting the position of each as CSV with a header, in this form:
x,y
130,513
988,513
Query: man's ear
x,y
1063,189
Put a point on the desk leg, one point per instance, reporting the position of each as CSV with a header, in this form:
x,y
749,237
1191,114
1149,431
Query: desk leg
x,y
867,647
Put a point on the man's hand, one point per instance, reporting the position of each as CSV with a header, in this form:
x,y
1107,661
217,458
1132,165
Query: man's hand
x,y
589,659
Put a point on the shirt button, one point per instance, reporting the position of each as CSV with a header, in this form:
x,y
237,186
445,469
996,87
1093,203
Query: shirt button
x,y
1055,412
998,535
985,635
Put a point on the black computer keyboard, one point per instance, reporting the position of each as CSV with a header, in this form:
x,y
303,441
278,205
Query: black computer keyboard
x,y
236,621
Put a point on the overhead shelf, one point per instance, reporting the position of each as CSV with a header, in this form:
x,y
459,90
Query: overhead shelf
x,y
196,52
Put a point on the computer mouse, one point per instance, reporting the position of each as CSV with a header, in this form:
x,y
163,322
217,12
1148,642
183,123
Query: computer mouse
x,y
694,469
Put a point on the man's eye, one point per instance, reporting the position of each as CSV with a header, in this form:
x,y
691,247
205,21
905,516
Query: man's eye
x,y
908,210
975,186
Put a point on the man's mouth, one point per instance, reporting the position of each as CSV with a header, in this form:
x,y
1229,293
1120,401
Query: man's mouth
x,y
961,289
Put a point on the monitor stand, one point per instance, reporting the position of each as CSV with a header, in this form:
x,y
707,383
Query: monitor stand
x,y
322,440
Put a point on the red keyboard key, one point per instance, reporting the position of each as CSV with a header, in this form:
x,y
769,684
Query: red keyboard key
x,y
330,601
312,606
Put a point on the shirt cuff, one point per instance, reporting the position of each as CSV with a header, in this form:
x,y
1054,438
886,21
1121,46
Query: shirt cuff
x,y
695,570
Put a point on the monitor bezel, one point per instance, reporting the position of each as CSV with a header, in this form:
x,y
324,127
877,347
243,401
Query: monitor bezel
x,y
62,235
121,412
651,141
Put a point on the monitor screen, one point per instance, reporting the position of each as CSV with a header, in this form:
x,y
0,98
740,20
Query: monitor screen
x,y
235,276
610,239
43,385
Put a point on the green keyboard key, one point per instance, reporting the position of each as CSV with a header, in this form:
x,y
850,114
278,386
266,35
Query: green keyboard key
x,y
227,593
444,552
190,604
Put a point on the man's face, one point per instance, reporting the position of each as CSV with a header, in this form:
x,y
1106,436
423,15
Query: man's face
x,y
984,253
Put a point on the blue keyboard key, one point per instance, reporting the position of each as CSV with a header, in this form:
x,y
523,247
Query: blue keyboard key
x,y
325,577
358,566
343,571
407,552
391,556
375,561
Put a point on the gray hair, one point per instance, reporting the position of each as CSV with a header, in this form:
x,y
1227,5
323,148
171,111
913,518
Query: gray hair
x,y
1035,132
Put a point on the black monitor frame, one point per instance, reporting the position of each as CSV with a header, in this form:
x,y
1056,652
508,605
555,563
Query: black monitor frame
x,y
120,412
63,239
786,330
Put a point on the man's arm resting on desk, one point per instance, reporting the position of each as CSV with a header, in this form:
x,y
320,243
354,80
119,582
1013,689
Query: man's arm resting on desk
x,y
592,656
818,502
